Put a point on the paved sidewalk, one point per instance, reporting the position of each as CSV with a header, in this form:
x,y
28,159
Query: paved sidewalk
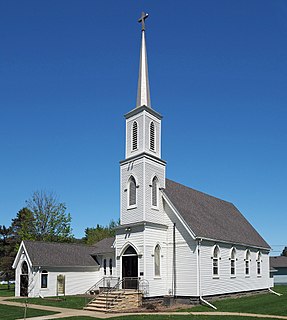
x,y
65,312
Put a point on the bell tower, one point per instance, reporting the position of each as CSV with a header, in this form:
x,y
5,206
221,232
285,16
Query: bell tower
x,y
143,170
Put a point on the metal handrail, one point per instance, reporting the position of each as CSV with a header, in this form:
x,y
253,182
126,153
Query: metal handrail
x,y
102,280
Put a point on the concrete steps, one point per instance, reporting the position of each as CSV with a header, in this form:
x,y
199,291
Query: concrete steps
x,y
115,301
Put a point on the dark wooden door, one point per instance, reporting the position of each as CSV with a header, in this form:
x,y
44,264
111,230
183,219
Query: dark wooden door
x,y
24,279
130,271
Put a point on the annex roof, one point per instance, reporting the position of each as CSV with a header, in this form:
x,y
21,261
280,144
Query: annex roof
x,y
278,262
212,218
104,246
59,254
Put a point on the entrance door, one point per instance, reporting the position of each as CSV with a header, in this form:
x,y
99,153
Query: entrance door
x,y
130,268
24,280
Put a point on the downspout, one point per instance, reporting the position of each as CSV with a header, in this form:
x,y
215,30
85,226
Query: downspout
x,y
174,262
277,294
199,278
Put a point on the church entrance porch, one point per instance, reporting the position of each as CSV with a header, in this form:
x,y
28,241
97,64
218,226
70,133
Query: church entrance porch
x,y
130,269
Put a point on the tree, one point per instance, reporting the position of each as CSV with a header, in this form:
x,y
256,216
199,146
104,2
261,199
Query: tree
x,y
93,235
284,252
23,226
50,220
7,253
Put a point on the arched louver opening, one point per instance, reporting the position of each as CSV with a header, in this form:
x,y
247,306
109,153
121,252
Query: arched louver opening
x,y
154,192
152,136
135,136
157,261
132,192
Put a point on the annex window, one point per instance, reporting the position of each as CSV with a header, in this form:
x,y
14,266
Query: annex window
x,y
152,136
111,266
105,267
135,136
215,258
157,261
132,191
247,262
258,263
44,279
233,262
154,201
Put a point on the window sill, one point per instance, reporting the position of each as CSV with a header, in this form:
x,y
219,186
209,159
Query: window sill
x,y
232,277
259,276
247,276
157,277
44,289
215,277
155,208
131,207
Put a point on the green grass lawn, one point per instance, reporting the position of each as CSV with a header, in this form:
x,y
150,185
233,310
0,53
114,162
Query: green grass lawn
x,y
262,303
71,302
5,292
172,317
12,313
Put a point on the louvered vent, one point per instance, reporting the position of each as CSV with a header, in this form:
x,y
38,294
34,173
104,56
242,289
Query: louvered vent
x,y
152,142
154,192
132,195
135,136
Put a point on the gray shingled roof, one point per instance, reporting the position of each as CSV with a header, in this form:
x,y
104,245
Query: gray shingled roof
x,y
278,262
59,254
212,218
104,246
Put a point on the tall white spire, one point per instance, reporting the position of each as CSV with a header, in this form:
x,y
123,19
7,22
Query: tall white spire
x,y
143,95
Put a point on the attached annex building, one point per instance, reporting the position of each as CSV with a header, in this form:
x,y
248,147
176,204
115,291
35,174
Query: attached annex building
x,y
179,241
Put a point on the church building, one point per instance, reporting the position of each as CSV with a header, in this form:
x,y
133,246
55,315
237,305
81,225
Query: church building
x,y
172,240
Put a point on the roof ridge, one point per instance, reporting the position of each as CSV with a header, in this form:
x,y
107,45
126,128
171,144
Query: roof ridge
x,y
61,243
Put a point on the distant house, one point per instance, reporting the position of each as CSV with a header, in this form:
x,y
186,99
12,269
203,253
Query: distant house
x,y
280,265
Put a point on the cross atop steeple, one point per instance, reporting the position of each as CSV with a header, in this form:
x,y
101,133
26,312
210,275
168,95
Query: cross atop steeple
x,y
142,20
143,95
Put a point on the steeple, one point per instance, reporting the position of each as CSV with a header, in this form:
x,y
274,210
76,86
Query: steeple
x,y
143,95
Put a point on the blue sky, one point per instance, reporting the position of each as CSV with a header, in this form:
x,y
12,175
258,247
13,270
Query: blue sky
x,y
218,74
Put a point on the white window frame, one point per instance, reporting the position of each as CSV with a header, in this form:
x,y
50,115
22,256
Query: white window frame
x,y
259,264
215,261
157,192
132,206
233,262
247,263
44,273
157,255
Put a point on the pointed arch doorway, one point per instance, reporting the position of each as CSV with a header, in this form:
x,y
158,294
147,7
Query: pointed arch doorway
x,y
130,268
24,280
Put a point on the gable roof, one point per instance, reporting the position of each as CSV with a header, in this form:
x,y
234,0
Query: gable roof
x,y
212,218
59,254
278,262
104,246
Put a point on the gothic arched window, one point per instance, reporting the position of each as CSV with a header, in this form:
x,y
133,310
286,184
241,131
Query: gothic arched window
x,y
24,268
154,201
152,136
44,279
111,266
215,258
247,262
157,261
132,191
135,136
233,262
105,266
258,262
